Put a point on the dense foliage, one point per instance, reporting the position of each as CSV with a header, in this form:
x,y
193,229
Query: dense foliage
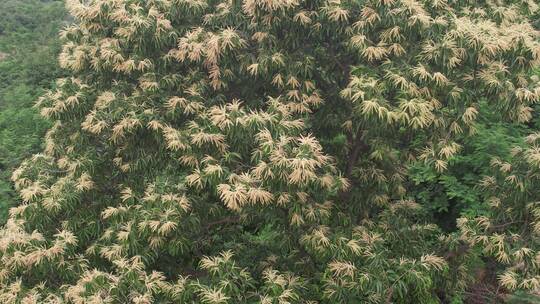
x,y
28,64
278,151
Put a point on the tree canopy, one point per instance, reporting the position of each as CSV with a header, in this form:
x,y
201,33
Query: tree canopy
x,y
269,151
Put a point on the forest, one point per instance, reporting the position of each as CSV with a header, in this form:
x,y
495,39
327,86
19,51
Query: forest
x,y
270,151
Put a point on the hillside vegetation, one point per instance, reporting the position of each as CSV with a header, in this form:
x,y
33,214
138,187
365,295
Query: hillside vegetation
x,y
29,47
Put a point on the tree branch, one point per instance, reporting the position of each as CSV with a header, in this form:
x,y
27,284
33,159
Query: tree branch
x,y
227,220
357,146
